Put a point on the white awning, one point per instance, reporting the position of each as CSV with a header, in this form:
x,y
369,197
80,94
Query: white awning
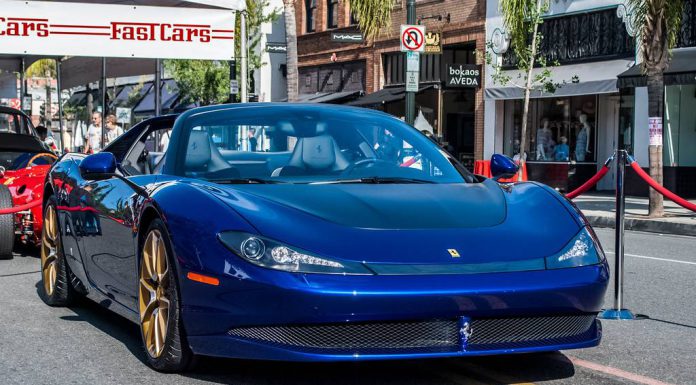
x,y
593,78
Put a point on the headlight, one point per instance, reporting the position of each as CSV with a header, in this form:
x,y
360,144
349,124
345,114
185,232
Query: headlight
x,y
275,255
580,251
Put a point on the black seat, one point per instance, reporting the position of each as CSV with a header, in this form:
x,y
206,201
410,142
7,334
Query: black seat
x,y
314,155
204,158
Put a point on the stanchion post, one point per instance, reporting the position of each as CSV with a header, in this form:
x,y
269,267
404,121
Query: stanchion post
x,y
619,312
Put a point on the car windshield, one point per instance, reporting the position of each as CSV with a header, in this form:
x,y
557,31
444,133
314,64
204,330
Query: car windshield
x,y
14,124
311,144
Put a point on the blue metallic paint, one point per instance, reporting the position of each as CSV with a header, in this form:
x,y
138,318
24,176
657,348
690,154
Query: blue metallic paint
x,y
526,221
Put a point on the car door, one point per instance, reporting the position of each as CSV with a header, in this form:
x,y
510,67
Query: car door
x,y
111,243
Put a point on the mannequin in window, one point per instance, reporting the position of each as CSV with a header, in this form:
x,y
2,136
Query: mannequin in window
x,y
544,141
561,152
582,140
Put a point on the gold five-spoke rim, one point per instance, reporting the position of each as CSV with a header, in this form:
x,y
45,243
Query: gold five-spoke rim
x,y
154,304
49,250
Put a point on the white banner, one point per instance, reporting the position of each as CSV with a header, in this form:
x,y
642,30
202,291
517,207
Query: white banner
x,y
107,30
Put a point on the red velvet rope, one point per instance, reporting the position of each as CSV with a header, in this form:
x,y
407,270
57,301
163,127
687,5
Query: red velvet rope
x,y
14,209
661,189
591,182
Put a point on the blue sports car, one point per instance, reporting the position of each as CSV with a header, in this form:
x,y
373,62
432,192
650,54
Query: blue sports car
x,y
316,233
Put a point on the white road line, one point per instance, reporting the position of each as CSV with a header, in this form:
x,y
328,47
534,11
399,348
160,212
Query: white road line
x,y
655,258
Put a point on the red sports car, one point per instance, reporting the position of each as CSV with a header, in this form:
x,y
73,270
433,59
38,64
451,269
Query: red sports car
x,y
24,162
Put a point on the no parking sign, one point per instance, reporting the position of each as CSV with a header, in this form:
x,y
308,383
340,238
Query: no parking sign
x,y
412,38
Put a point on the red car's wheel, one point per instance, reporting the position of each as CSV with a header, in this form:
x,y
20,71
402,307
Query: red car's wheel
x,y
7,230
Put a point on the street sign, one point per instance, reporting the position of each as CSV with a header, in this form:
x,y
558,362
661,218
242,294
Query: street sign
x,y
123,115
412,38
276,47
412,78
463,76
412,61
347,37
234,86
433,43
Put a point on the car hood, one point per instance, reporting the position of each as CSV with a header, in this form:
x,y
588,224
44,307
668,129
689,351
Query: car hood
x,y
407,223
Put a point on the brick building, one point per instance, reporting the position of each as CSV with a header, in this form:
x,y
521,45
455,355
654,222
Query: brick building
x,y
336,71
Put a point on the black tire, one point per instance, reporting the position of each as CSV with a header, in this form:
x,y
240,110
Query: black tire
x,y
7,225
175,356
60,292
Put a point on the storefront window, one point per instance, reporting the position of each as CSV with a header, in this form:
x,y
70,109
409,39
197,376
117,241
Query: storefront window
x,y
679,130
627,119
558,129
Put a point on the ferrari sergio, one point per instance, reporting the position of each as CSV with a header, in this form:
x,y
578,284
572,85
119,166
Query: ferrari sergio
x,y
316,233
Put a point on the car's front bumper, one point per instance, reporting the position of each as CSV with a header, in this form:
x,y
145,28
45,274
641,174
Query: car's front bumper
x,y
259,318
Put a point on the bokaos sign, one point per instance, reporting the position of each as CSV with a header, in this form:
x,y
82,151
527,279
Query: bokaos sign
x,y
463,76
83,29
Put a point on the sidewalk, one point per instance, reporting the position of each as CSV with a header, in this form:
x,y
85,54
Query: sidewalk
x,y
599,208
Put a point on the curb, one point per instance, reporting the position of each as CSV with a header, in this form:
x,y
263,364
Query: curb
x,y
644,224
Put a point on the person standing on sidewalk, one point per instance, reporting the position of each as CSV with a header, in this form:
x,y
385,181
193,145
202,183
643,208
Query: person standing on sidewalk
x,y
113,130
94,134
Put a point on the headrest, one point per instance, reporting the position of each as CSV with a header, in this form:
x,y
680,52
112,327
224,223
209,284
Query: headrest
x,y
318,152
198,150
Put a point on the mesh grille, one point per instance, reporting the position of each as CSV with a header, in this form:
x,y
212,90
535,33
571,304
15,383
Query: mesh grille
x,y
433,335
393,335
523,330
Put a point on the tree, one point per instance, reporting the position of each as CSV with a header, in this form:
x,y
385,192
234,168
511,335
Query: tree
x,y
291,54
44,68
372,16
658,23
207,82
521,19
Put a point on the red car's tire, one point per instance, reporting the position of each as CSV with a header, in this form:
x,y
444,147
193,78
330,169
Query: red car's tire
x,y
7,227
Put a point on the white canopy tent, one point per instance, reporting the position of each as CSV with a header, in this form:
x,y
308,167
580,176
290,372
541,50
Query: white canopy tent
x,y
96,39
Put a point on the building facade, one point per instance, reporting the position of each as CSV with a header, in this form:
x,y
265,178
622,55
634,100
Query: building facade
x,y
571,132
345,70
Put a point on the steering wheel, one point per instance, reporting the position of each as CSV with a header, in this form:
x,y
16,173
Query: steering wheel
x,y
41,155
369,162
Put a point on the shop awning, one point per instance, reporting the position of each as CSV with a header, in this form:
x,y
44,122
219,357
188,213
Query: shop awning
x,y
327,97
681,70
592,78
383,96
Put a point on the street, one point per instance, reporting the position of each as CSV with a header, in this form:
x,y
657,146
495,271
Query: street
x,y
86,344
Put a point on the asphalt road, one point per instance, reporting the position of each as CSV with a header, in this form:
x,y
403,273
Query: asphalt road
x,y
86,344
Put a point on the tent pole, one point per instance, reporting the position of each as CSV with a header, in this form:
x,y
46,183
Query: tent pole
x,y
103,102
60,107
244,54
158,88
22,85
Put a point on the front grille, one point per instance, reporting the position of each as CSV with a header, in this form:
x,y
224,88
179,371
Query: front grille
x,y
426,336
412,335
519,332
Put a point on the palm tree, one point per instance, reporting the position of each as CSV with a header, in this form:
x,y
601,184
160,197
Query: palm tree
x,y
44,68
372,16
658,23
291,40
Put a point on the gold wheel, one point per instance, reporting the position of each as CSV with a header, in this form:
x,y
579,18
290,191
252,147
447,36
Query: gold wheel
x,y
49,250
154,285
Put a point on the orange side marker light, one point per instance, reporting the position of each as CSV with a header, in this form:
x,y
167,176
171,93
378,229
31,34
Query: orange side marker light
x,y
202,278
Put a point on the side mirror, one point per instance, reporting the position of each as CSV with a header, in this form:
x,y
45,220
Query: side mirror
x,y
98,166
502,167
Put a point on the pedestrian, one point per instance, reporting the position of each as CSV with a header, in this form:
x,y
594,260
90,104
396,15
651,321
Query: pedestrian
x,y
113,130
94,134
45,138
252,139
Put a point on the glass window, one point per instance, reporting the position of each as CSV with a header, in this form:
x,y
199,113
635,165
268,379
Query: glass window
x,y
558,129
679,128
15,123
310,13
332,13
307,145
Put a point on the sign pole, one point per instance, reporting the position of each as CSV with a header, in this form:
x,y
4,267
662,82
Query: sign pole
x,y
158,88
102,88
410,95
244,55
618,312
60,106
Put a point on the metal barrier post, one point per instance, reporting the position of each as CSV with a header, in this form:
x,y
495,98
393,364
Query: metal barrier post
x,y
619,312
